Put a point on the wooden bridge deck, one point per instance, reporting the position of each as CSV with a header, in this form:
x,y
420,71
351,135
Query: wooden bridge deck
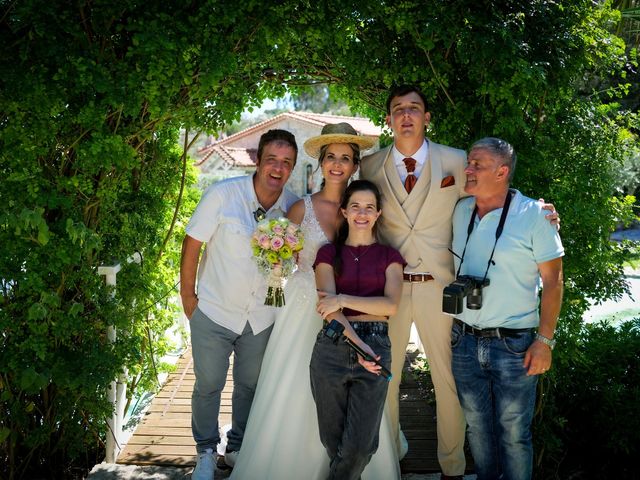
x,y
163,436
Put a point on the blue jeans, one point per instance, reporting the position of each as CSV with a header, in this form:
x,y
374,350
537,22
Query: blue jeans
x,y
498,400
349,402
212,345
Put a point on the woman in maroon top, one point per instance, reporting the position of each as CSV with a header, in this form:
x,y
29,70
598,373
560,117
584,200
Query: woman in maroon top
x,y
359,284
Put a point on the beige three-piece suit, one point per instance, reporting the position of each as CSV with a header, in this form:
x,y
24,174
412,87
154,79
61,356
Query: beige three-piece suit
x,y
419,226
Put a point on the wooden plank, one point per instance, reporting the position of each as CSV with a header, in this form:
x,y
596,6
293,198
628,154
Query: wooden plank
x,y
162,440
161,423
144,430
139,450
174,408
164,436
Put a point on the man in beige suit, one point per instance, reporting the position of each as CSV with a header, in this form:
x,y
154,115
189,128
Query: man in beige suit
x,y
418,224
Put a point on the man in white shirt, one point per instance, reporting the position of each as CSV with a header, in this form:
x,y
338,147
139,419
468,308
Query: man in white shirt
x,y
226,313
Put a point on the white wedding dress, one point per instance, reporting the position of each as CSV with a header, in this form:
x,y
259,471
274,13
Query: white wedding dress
x,y
281,441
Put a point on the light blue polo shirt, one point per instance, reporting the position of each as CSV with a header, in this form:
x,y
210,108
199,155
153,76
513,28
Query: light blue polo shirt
x,y
528,238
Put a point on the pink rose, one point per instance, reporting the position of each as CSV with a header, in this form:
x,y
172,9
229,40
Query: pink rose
x,y
277,229
291,240
264,241
277,243
292,229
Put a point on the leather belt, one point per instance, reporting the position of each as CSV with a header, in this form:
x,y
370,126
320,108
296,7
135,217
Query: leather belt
x,y
417,277
370,328
498,332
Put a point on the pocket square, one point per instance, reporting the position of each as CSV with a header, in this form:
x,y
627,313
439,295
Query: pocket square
x,y
448,181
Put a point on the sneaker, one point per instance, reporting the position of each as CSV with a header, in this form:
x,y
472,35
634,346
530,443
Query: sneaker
x,y
205,467
230,458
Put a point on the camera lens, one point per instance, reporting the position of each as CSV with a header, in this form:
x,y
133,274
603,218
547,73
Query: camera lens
x,y
474,300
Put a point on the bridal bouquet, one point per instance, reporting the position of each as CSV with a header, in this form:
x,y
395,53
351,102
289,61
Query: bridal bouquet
x,y
274,243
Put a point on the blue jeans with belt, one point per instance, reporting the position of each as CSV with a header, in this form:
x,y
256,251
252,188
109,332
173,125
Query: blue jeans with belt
x,y
498,400
349,402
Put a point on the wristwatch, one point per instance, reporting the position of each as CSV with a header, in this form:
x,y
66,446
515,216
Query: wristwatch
x,y
549,342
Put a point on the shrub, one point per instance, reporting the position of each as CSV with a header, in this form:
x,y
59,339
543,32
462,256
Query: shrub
x,y
589,425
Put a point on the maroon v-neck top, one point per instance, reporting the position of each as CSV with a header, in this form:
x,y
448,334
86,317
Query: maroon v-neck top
x,y
364,277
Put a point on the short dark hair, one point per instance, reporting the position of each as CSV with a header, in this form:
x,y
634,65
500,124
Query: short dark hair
x,y
277,136
402,90
501,149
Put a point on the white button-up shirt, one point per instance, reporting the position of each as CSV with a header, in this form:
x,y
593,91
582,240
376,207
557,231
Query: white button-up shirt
x,y
231,290
420,157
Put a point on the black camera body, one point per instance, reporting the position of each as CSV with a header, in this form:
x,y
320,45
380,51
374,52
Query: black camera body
x,y
334,330
463,286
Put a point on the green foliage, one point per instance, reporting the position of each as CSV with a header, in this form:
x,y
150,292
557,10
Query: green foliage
x,y
594,388
90,175
317,98
92,97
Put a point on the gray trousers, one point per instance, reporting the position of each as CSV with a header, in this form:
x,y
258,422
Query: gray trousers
x,y
212,346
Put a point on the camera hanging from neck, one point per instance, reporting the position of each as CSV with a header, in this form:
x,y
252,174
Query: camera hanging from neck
x,y
503,219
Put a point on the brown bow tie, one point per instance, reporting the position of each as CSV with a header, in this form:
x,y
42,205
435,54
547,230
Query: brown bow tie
x,y
411,179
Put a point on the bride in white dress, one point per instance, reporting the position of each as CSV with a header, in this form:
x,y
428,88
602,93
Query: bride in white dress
x,y
281,441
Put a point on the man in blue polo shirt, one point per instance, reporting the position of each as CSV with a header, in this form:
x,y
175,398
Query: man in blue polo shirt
x,y
504,247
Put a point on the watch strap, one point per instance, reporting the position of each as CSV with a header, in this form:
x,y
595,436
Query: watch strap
x,y
550,342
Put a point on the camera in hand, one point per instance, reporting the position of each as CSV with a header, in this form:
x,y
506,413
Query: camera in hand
x,y
464,286
334,330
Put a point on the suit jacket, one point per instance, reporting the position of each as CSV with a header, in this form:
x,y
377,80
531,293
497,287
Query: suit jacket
x,y
419,224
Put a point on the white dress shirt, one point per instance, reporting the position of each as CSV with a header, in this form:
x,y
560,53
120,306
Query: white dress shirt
x,y
420,157
231,289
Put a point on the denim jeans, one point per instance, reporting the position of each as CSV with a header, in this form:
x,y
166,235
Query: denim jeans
x,y
498,400
212,345
349,402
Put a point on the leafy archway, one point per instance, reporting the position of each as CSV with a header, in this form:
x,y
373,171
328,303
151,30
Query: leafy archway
x,y
93,94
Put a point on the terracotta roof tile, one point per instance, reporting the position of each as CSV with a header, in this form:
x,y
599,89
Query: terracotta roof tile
x,y
362,125
246,158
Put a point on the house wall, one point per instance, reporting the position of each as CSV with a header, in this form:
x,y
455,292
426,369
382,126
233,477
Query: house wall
x,y
306,176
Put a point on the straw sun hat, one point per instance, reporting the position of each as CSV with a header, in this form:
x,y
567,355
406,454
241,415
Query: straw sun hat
x,y
336,133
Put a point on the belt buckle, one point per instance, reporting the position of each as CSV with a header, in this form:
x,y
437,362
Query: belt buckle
x,y
415,277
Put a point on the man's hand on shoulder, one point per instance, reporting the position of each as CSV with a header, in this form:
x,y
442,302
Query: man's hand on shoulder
x,y
553,217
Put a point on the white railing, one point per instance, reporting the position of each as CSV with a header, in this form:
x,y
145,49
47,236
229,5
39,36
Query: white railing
x,y
117,389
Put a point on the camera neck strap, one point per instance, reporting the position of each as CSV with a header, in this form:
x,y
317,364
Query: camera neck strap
x,y
472,222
